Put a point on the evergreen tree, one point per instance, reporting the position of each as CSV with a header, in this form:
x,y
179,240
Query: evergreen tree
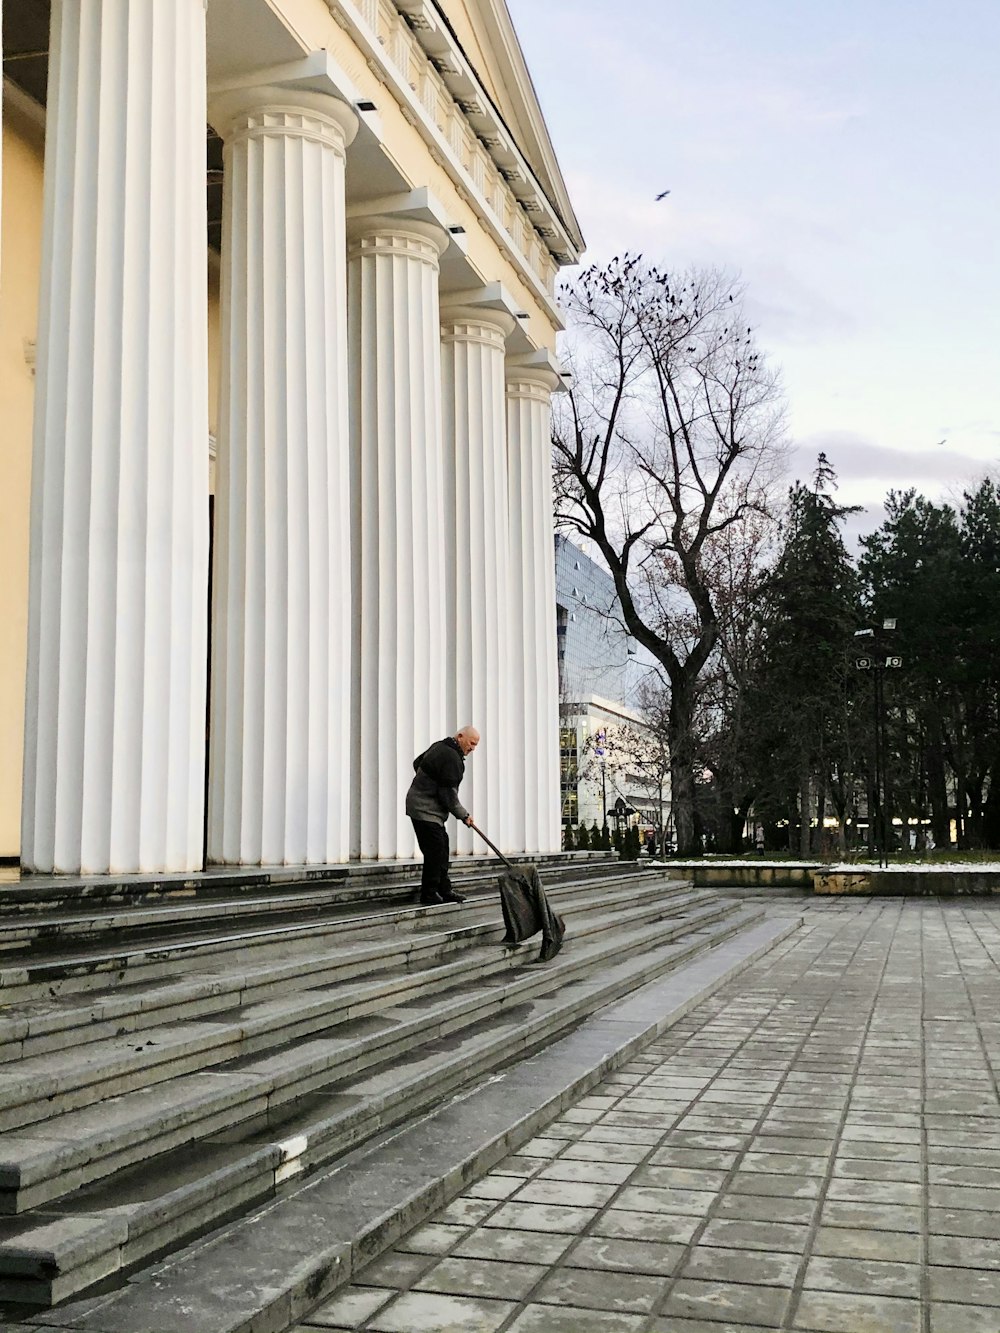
x,y
582,839
800,694
912,571
568,843
605,837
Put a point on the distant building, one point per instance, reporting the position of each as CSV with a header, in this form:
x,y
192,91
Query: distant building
x,y
608,757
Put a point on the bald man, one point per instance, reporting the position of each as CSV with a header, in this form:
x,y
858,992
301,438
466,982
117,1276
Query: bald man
x,y
432,797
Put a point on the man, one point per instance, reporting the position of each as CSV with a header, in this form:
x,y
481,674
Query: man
x,y
432,796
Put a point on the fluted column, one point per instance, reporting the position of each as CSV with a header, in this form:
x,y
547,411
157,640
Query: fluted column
x,y
476,560
535,699
398,539
281,669
115,709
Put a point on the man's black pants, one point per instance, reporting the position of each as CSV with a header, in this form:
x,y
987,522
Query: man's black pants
x,y
433,842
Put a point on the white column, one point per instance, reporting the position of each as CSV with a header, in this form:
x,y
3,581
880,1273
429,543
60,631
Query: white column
x,y
115,715
535,701
398,541
476,557
281,624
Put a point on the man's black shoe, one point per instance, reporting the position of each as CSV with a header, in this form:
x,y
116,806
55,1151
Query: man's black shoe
x,y
452,897
430,899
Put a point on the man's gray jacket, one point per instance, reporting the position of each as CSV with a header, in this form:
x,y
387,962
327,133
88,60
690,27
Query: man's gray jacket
x,y
433,793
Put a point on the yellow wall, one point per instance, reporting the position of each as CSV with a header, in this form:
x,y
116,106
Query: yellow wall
x,y
20,254
20,264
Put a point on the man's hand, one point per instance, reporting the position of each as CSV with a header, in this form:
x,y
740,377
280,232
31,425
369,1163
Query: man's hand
x,y
469,821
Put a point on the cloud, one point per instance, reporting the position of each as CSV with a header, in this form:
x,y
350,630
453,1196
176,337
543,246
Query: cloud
x,y
787,310
866,471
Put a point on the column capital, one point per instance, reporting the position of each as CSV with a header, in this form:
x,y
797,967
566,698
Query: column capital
x,y
267,110
472,323
534,375
531,381
388,234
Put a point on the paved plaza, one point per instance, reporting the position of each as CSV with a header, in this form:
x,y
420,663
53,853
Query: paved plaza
x,y
816,1147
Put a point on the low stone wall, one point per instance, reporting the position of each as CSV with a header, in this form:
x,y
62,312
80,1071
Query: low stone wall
x,y
752,876
829,880
906,883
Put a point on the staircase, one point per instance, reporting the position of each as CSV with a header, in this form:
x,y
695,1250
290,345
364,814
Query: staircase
x,y
173,1056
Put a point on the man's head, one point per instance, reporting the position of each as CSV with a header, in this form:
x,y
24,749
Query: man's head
x,y
468,739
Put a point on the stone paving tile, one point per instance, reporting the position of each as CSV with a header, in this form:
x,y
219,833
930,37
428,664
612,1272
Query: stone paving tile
x,y
434,1238
465,1212
763,1236
569,1169
729,1300
350,1307
704,1326
670,1228
626,1256
845,1243
964,1252
482,1277
803,1151
959,1222
562,1192
395,1269
541,1217
431,1312
711,1262
968,1286
945,1318
866,1276
570,1319
841,1312
765,1208
603,1289
494,1187
518,1246
676,1177
864,1168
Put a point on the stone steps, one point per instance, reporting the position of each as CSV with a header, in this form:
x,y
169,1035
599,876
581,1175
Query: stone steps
x,y
36,1087
239,1131
39,1025
65,968
50,899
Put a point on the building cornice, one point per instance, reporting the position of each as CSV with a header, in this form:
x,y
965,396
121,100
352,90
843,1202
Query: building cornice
x,y
415,55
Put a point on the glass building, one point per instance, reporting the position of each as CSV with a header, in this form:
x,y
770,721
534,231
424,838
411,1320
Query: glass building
x,y
609,759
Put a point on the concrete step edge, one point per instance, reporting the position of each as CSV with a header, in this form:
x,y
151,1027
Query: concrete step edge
x,y
370,1049
71,923
364,1203
295,969
366,984
219,1184
16,973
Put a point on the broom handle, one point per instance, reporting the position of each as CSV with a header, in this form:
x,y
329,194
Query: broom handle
x,y
492,846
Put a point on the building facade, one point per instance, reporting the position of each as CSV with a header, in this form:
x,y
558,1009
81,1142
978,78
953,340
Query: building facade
x,y
277,351
609,758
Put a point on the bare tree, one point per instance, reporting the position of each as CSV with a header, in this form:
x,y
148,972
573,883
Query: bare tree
x,y
671,434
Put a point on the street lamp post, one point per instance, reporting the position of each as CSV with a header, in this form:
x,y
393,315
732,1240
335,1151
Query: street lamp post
x,y
878,660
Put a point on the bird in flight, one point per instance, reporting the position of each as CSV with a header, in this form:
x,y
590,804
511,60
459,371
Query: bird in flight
x,y
662,195
942,441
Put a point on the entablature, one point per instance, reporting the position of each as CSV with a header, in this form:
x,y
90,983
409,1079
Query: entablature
x,y
416,56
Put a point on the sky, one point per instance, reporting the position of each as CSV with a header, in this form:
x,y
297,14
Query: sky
x,y
842,157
